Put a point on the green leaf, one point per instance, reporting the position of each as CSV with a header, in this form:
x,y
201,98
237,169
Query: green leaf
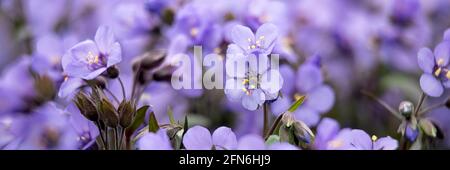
x,y
170,114
152,123
297,104
272,139
138,119
428,127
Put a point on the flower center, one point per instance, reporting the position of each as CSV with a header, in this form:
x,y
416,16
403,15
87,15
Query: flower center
x,y
256,44
440,71
250,83
95,61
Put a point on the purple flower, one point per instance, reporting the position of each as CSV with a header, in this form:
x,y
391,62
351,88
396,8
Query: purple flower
x,y
327,130
85,129
251,85
89,59
411,133
320,97
199,138
155,141
360,140
436,69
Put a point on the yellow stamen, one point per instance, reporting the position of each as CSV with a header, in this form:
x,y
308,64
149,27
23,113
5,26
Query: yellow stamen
x,y
66,78
253,46
297,96
252,86
448,74
245,81
336,143
437,72
374,138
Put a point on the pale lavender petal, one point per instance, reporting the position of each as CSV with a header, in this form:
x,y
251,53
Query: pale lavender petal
x,y
104,37
321,98
426,60
69,86
386,143
447,35
115,55
308,77
271,81
361,140
94,74
235,56
281,105
251,142
155,141
267,35
224,139
326,130
241,36
197,138
309,116
81,51
442,53
431,86
233,89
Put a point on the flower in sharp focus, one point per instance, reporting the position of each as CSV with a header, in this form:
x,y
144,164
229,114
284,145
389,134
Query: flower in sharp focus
x,y
155,141
199,138
252,84
436,69
89,59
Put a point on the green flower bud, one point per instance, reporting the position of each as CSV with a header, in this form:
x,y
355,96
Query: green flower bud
x,y
126,112
303,133
86,106
108,114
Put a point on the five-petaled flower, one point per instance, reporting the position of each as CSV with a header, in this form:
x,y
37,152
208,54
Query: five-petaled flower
x,y
436,69
89,59
254,81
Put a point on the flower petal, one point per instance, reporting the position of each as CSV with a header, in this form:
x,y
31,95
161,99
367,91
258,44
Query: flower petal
x,y
224,138
104,37
386,143
326,130
251,142
234,89
267,34
69,86
309,116
235,66
308,77
442,53
426,60
271,81
361,140
81,51
321,98
241,36
197,138
115,56
430,85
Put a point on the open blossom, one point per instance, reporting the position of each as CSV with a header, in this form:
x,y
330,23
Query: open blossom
x,y
252,84
360,140
89,59
436,69
199,138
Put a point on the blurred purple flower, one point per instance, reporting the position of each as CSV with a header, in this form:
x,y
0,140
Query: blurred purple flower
x,y
261,43
256,142
85,129
89,59
155,141
436,69
199,138
320,97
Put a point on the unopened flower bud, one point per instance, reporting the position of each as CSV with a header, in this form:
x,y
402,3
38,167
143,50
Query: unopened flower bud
x,y
152,59
164,74
126,111
288,119
406,108
136,64
86,106
303,133
45,88
108,114
112,72
100,82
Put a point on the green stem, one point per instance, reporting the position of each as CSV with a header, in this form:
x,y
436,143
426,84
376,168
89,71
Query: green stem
x,y
114,97
266,118
419,103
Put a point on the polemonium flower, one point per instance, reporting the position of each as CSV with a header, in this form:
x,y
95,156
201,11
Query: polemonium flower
x,y
85,129
436,69
89,59
199,138
327,130
360,140
320,97
250,85
155,141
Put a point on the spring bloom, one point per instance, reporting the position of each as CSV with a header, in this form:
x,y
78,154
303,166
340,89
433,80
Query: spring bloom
x,y
252,84
256,142
199,138
155,141
89,59
436,69
360,140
